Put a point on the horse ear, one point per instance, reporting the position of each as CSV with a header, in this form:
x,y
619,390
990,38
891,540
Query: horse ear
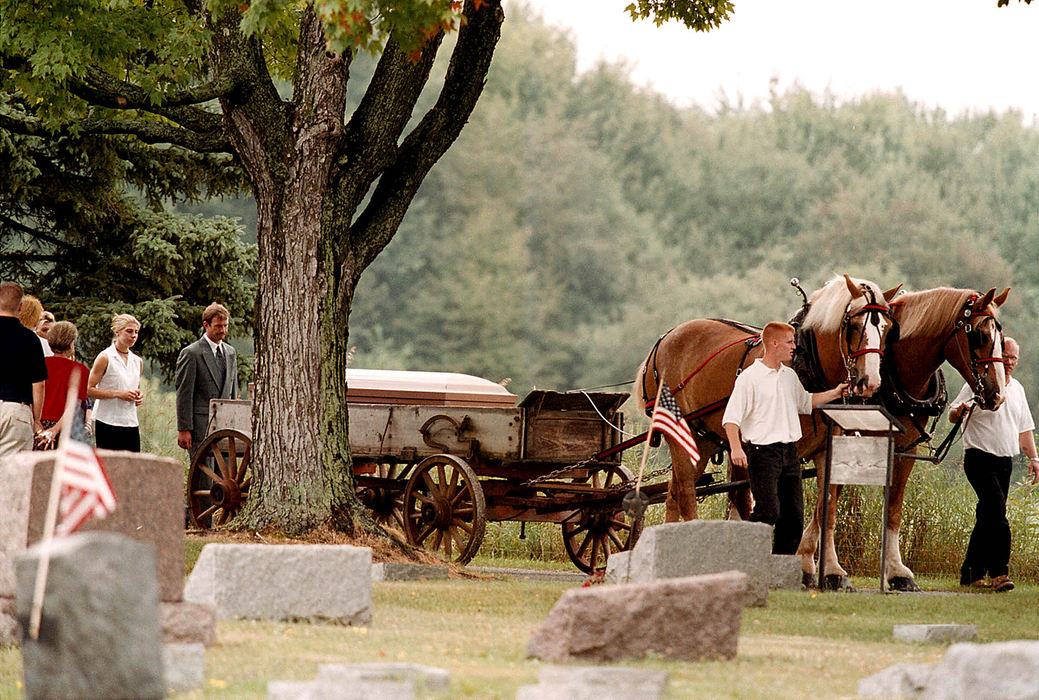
x,y
853,288
984,301
1002,298
890,294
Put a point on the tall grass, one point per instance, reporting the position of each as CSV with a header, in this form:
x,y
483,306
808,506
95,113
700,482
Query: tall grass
x,y
158,421
937,519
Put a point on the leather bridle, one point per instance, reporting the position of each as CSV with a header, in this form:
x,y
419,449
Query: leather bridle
x,y
975,340
875,310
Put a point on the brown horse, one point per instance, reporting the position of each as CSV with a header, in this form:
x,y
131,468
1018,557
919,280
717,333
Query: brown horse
x,y
934,326
700,360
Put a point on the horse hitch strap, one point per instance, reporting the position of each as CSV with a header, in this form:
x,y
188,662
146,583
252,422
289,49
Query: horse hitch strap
x,y
938,454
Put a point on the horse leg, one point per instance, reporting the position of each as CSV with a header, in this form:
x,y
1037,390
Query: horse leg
x,y
836,576
899,577
808,547
672,512
681,490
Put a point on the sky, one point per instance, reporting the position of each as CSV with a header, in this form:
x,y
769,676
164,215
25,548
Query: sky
x,y
960,55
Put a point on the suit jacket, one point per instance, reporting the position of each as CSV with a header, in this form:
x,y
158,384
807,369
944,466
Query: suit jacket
x,y
196,384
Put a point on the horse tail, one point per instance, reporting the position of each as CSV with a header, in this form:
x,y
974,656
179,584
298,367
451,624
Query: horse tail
x,y
638,389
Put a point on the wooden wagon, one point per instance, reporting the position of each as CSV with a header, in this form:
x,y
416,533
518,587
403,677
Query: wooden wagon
x,y
437,455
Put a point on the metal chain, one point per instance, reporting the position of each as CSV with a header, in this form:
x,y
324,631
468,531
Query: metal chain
x,y
645,477
568,470
564,471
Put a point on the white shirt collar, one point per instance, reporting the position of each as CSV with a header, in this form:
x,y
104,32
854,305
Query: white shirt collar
x,y
212,346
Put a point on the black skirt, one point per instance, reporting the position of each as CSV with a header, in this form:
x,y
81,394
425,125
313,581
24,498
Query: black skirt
x,y
117,437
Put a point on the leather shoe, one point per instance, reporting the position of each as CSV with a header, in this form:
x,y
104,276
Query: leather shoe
x,y
980,583
1002,584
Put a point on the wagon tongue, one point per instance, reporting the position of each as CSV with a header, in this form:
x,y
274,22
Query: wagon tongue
x,y
634,504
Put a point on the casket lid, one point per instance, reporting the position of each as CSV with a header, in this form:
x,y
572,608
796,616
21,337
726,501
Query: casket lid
x,y
424,388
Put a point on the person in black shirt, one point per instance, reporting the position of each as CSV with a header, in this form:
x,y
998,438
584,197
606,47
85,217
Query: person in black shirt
x,y
23,374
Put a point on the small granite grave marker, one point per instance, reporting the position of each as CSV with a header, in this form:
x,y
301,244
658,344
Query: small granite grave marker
x,y
100,636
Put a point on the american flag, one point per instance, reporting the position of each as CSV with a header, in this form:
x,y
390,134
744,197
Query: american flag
x,y
667,418
85,489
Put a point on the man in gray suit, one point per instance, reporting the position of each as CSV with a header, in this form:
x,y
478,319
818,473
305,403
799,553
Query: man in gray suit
x,y
206,369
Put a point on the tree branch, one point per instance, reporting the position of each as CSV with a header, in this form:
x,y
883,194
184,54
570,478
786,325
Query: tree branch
x,y
104,89
371,137
256,119
154,132
35,233
30,127
439,128
319,94
10,257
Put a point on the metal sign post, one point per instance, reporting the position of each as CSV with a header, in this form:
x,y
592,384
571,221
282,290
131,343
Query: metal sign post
x,y
862,455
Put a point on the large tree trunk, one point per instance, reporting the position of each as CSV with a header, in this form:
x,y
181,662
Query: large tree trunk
x,y
299,440
310,173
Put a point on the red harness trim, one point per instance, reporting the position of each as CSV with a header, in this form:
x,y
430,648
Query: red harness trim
x,y
859,353
685,381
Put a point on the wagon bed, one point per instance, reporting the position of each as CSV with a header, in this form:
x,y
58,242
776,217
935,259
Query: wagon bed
x,y
437,455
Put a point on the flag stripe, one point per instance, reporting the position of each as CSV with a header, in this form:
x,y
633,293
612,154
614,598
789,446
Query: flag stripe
x,y
86,491
667,418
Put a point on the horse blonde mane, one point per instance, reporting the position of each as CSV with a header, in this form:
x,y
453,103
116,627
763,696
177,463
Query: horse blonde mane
x,y
827,305
927,312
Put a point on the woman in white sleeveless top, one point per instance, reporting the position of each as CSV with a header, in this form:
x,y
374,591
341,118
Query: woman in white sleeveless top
x,y
115,386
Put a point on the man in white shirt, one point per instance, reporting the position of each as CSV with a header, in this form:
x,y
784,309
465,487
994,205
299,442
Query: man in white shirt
x,y
991,439
762,425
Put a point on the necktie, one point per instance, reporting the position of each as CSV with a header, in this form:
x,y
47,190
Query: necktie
x,y
221,374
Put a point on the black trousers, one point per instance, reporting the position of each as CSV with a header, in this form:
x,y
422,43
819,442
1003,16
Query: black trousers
x,y
117,437
775,482
988,550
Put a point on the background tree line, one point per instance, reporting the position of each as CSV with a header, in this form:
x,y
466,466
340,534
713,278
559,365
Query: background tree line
x,y
578,217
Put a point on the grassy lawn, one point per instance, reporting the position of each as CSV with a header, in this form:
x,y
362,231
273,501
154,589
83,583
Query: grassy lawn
x,y
478,630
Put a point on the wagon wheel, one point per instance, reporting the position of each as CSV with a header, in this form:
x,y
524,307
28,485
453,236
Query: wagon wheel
x,y
589,537
444,508
219,478
386,504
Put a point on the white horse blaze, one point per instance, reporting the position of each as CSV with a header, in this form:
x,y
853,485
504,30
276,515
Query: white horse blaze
x,y
874,333
1001,374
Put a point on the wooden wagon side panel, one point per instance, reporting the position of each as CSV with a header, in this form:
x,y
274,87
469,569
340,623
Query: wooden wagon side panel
x,y
558,437
231,414
379,431
569,427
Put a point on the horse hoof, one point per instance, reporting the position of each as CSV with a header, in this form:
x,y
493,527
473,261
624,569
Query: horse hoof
x,y
903,583
837,582
808,580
